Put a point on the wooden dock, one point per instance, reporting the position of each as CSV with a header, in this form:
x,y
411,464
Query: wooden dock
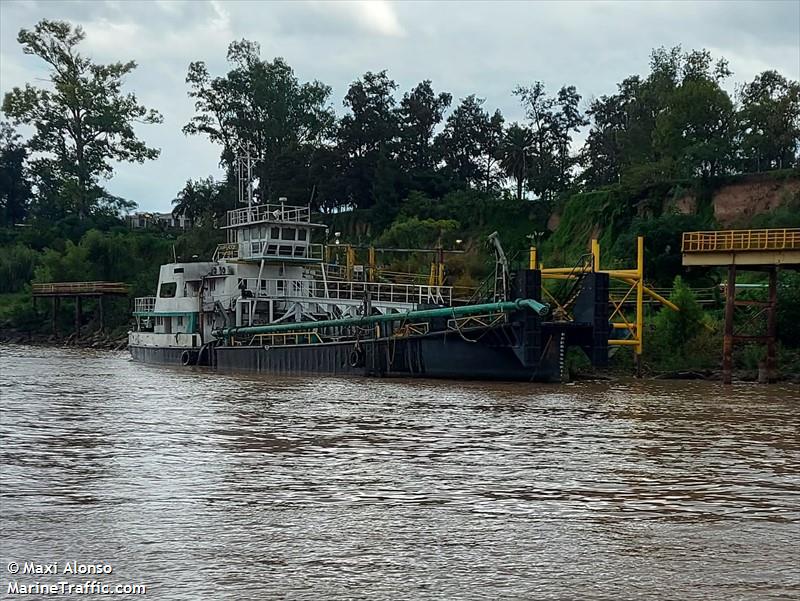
x,y
78,291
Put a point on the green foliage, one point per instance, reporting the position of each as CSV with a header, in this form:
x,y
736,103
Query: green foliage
x,y
420,233
83,124
469,144
133,257
204,201
261,106
15,188
769,122
789,308
17,264
686,339
662,245
552,123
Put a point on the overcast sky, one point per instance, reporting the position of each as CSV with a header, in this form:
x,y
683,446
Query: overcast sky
x,y
463,47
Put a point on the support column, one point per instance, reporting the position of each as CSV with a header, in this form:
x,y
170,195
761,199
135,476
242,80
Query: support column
x,y
54,314
637,357
727,340
77,317
772,324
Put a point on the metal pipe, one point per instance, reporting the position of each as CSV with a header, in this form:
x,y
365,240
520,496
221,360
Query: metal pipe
x,y
540,309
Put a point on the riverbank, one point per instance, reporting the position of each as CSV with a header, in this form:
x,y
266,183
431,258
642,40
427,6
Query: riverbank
x,y
98,340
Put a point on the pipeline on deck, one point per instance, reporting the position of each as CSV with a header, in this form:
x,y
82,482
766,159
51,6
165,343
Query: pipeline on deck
x,y
540,309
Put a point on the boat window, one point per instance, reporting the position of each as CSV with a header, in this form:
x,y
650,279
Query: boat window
x,y
255,248
287,233
298,251
167,290
180,320
275,233
285,250
178,270
302,234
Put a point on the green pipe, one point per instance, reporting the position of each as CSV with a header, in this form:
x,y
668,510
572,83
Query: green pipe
x,y
505,307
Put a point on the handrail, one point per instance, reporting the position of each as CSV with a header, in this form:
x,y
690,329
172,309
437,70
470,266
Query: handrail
x,y
269,212
350,290
741,240
96,287
144,304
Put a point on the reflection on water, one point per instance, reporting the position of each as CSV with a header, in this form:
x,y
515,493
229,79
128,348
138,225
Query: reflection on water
x,y
235,487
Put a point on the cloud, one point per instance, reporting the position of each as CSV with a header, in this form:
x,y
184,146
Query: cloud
x,y
463,47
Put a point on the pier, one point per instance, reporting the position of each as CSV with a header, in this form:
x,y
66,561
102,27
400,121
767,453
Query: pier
x,y
765,250
78,291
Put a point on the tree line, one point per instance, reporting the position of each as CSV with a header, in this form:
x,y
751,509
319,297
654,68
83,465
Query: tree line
x,y
676,122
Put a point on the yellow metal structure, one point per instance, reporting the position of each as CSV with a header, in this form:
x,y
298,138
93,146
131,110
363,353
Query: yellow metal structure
x,y
372,264
726,240
285,338
351,260
632,293
742,247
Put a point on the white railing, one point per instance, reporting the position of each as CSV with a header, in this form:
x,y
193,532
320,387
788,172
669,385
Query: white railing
x,y
410,294
144,304
269,212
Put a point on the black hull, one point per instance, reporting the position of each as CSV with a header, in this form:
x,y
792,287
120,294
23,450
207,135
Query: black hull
x,y
448,355
158,355
443,355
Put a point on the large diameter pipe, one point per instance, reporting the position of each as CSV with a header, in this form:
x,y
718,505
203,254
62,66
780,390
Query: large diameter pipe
x,y
505,307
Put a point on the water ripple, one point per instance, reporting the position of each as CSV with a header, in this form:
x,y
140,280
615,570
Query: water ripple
x,y
233,487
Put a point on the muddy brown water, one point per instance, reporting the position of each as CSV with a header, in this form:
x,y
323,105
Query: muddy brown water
x,y
202,485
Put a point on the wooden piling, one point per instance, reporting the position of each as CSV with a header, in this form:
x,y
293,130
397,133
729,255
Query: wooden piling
x,y
77,317
727,340
772,324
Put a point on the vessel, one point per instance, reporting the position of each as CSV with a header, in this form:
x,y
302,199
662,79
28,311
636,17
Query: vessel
x,y
272,301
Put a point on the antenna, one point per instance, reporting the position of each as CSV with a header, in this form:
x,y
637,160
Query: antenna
x,y
244,164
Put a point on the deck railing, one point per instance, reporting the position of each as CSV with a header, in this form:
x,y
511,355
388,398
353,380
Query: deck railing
x,y
741,240
269,212
144,304
411,294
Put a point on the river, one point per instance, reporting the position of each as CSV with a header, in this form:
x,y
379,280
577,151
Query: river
x,y
201,485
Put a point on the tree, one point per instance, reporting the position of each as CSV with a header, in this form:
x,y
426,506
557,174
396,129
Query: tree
x,y
694,129
84,122
202,201
469,143
15,190
367,134
675,122
769,122
261,106
420,111
552,121
515,154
